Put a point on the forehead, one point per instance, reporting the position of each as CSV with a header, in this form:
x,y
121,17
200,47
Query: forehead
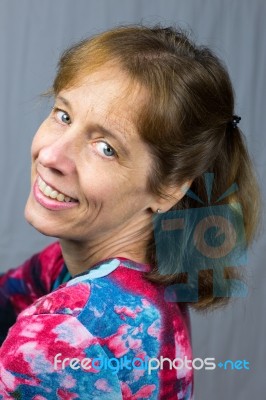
x,y
108,93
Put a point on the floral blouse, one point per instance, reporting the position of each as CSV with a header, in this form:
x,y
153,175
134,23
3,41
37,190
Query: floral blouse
x,y
105,334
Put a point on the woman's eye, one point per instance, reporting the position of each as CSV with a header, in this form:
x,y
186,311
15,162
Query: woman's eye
x,y
105,149
63,116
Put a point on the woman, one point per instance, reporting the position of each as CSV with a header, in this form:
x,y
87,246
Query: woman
x,y
140,115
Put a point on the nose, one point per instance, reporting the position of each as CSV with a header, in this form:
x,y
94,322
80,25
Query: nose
x,y
59,156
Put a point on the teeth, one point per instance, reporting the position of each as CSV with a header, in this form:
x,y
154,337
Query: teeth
x,y
53,194
60,197
47,191
42,185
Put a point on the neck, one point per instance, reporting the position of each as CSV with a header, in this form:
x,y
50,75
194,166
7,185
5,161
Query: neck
x,y
127,242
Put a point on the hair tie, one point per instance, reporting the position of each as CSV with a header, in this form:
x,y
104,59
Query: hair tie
x,y
235,121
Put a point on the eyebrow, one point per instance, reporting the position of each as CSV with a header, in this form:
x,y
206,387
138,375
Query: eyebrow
x,y
65,101
112,135
99,127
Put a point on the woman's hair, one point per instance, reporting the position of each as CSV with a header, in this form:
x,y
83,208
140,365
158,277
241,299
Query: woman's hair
x,y
187,121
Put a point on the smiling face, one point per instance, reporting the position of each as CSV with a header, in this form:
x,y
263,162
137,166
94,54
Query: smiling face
x,y
89,164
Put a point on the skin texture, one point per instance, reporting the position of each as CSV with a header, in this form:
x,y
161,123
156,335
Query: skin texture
x,y
71,152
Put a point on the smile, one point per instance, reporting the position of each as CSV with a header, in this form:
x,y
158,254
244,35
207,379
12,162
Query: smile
x,y
48,191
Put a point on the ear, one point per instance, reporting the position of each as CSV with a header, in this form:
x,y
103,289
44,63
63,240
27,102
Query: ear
x,y
172,196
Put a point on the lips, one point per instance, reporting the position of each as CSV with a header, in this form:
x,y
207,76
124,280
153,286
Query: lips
x,y
50,198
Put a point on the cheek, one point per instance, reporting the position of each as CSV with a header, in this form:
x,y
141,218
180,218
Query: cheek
x,y
98,186
114,189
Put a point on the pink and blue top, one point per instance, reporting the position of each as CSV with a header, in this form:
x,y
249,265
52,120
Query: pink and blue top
x,y
104,334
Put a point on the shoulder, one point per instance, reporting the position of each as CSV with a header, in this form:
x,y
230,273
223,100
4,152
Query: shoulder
x,y
53,250
51,256
124,316
50,260
34,277
64,300
49,263
124,306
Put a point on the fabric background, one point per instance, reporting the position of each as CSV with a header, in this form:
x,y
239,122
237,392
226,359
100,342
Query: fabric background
x,y
32,35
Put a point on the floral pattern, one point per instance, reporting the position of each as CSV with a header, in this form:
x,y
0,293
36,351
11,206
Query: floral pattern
x,y
77,340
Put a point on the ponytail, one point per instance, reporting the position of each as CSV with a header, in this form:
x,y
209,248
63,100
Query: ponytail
x,y
233,181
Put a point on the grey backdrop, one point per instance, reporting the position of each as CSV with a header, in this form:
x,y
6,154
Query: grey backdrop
x,y
32,34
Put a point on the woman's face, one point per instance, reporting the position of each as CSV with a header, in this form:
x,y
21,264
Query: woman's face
x,y
89,164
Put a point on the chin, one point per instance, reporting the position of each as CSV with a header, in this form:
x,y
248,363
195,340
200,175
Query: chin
x,y
39,221
41,226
